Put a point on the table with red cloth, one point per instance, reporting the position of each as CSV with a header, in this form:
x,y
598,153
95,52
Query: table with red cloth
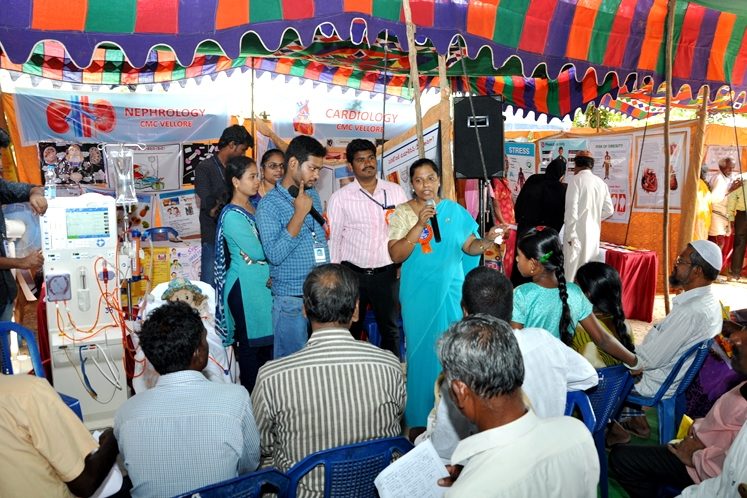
x,y
638,269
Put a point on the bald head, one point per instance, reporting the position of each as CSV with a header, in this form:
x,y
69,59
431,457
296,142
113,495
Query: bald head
x,y
330,295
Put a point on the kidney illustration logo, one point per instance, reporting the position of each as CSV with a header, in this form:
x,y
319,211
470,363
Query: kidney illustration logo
x,y
85,118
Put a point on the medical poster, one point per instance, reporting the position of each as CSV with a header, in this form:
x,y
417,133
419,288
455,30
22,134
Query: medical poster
x,y
73,163
156,168
565,148
192,155
650,181
714,153
397,160
179,211
520,164
612,165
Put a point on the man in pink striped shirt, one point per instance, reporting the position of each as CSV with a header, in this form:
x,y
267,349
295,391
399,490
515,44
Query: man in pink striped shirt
x,y
358,217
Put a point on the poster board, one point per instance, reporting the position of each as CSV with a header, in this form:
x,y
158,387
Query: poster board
x,y
397,160
612,164
567,148
179,211
520,164
649,188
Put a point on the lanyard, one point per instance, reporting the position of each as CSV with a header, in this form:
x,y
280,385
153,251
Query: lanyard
x,y
385,205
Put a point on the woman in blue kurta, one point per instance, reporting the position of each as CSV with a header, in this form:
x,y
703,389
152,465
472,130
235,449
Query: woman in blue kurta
x,y
432,276
243,300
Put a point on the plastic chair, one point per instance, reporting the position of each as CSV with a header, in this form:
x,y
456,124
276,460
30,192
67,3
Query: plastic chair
x,y
579,399
7,367
670,410
350,470
606,400
252,485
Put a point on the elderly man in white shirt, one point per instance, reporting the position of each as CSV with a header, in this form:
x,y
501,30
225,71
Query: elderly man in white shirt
x,y
695,317
722,183
587,203
515,453
551,368
358,216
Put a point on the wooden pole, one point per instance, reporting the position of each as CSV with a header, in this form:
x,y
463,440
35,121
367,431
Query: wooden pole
x,y
254,115
667,162
447,164
412,55
692,174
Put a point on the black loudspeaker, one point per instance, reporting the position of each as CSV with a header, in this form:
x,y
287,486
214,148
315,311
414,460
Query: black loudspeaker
x,y
488,121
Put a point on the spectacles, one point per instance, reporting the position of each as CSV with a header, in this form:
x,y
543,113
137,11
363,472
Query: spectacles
x,y
680,261
274,165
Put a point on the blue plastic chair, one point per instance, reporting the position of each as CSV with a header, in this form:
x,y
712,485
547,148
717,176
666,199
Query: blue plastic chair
x,y
7,367
252,485
579,399
606,400
670,410
350,470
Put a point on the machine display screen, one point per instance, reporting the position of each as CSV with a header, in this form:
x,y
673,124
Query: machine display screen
x,y
87,223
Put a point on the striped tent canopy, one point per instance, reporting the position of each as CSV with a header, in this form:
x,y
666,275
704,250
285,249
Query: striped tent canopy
x,y
646,102
381,67
622,36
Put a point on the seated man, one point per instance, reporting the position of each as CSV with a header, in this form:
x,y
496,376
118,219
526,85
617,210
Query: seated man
x,y
551,368
642,469
515,453
732,482
45,449
186,432
695,317
335,390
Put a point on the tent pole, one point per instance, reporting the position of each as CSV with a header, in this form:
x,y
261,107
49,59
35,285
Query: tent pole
x,y
254,123
690,180
447,164
667,158
412,55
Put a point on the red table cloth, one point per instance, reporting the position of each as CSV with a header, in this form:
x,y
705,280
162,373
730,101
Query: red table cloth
x,y
638,269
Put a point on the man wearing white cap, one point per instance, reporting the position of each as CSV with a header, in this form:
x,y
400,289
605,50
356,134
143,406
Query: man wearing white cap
x,y
695,317
587,203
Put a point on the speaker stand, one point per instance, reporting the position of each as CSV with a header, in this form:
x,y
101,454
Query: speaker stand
x,y
482,209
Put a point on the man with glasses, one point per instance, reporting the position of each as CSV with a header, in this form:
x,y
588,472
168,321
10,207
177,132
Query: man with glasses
x,y
358,216
293,240
695,317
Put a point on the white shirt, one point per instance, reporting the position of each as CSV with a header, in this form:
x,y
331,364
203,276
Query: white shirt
x,y
695,317
719,184
530,457
733,474
587,203
550,370
358,227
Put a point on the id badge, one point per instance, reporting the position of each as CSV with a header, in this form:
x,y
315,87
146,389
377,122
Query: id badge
x,y
320,253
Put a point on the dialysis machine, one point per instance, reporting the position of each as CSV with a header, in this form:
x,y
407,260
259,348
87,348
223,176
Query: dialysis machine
x,y
79,243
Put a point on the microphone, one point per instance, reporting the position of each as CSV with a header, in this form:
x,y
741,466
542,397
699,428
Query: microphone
x,y
293,191
434,221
